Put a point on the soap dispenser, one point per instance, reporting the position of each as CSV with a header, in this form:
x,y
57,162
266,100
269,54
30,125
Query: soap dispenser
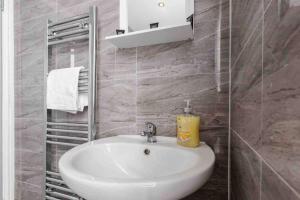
x,y
188,128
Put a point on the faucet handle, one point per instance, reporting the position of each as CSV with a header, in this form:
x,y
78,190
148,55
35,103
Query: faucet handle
x,y
150,128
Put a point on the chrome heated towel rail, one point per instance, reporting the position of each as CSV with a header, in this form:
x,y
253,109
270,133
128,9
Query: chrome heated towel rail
x,y
66,134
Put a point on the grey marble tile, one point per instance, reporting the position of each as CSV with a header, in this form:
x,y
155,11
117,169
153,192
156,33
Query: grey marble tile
x,y
161,99
180,58
25,191
280,37
245,171
246,91
117,101
273,188
29,142
280,136
108,18
246,14
117,107
280,140
30,69
29,102
26,10
63,4
117,64
109,129
30,36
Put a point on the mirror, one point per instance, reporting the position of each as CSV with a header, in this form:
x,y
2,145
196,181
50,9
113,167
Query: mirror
x,y
137,15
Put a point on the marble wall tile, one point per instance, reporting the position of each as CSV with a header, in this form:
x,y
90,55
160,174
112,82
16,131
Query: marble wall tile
x,y
30,69
161,99
246,90
29,102
117,102
26,191
280,139
280,46
31,9
268,121
30,36
245,168
272,191
29,142
245,17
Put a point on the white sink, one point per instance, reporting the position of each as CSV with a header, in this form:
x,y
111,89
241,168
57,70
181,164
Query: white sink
x,y
117,168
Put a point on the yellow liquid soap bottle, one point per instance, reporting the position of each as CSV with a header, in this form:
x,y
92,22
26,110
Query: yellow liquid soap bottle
x,y
188,128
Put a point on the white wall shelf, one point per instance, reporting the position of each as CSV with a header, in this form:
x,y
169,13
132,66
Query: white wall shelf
x,y
152,36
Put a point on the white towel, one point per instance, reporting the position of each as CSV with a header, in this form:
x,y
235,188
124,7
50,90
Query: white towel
x,y
62,90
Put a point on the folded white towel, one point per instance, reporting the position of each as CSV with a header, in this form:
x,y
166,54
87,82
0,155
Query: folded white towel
x,y
62,90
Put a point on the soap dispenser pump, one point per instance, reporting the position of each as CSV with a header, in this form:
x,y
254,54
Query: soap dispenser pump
x,y
188,127
188,108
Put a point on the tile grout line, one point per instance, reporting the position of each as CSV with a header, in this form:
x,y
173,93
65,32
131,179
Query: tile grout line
x,y
171,76
262,93
229,99
266,163
260,178
136,88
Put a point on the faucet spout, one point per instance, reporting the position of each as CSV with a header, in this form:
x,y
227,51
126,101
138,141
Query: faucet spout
x,y
150,132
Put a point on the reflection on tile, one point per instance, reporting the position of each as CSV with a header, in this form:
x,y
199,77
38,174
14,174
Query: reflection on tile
x,y
245,171
273,188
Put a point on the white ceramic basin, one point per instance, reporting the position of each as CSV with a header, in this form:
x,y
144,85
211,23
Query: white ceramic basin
x,y
117,168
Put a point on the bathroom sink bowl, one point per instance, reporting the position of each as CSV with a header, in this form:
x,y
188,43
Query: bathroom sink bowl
x,y
129,168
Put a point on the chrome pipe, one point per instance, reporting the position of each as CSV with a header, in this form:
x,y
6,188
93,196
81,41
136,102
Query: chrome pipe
x,y
51,198
52,173
79,24
67,124
58,187
83,81
83,37
68,33
66,137
92,72
62,143
65,131
57,194
83,84
68,20
55,180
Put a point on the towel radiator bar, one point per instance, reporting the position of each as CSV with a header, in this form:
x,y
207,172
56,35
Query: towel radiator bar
x,y
70,134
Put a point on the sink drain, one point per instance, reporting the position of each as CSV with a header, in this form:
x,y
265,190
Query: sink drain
x,y
146,151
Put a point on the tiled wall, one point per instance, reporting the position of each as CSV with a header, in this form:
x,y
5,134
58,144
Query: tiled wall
x,y
134,85
265,123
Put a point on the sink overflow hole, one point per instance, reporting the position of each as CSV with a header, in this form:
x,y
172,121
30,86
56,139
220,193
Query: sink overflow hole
x,y
146,151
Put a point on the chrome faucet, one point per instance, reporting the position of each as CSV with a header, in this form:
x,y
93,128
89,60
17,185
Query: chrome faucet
x,y
150,132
